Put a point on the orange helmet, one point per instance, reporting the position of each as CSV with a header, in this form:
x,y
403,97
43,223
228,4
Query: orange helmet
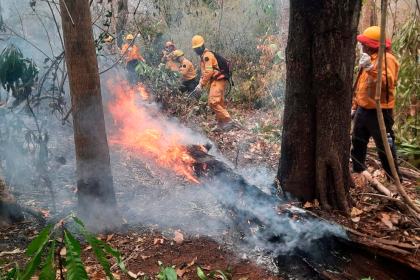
x,y
169,43
371,37
373,32
197,41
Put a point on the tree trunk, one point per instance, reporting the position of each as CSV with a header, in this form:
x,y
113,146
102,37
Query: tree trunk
x,y
10,211
120,15
97,205
320,57
365,20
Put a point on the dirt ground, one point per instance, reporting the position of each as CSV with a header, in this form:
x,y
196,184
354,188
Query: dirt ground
x,y
141,249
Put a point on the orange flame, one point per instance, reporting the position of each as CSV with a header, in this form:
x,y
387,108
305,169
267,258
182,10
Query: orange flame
x,y
138,133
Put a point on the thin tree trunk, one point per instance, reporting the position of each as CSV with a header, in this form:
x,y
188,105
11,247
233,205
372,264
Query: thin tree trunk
x,y
320,58
366,15
120,11
96,197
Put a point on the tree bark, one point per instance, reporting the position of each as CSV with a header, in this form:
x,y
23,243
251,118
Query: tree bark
x,y
97,205
320,58
120,16
10,210
365,20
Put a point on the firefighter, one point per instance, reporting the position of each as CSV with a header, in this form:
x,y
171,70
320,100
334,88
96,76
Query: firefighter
x,y
217,87
167,57
188,74
131,56
366,124
110,47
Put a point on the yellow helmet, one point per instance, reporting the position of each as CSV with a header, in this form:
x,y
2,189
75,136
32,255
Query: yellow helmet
x,y
129,37
169,43
109,40
197,41
177,54
373,32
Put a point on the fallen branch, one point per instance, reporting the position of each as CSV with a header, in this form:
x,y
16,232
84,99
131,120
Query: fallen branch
x,y
378,186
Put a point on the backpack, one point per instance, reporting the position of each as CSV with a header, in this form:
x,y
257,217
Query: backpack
x,y
225,70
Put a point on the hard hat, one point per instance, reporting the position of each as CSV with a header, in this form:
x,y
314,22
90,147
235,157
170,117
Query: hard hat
x,y
373,32
129,37
177,54
169,43
109,40
197,41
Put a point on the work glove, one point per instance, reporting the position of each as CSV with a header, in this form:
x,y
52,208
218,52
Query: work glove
x,y
199,88
130,49
365,62
353,113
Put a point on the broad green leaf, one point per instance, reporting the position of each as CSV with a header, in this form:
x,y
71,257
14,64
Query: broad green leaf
x,y
12,274
48,271
201,274
75,267
34,262
38,241
170,273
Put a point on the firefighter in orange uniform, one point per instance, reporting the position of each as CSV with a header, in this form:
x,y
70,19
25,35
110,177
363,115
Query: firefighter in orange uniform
x,y
209,66
167,57
366,123
131,56
188,74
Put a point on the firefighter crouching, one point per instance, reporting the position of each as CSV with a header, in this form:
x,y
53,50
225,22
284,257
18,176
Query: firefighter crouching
x,y
209,66
168,57
187,71
131,57
366,124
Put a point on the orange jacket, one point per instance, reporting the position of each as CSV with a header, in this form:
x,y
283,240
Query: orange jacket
x,y
208,65
131,55
187,70
366,86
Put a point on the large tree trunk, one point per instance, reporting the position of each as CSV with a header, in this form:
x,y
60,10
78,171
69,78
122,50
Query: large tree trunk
x,y
96,197
320,58
10,211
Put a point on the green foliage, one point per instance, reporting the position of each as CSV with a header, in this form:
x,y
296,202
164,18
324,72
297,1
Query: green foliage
x,y
73,262
17,74
166,273
407,48
163,81
226,276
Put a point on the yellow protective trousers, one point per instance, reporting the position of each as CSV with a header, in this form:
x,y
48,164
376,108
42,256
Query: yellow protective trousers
x,y
217,101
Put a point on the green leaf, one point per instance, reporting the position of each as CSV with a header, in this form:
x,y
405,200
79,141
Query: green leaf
x,y
34,262
48,271
12,274
4,261
75,267
170,273
99,253
78,221
38,241
201,274
116,254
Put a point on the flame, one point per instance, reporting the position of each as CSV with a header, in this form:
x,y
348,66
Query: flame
x,y
143,93
202,147
138,132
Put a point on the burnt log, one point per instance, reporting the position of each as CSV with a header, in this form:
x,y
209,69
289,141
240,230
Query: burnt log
x,y
304,244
